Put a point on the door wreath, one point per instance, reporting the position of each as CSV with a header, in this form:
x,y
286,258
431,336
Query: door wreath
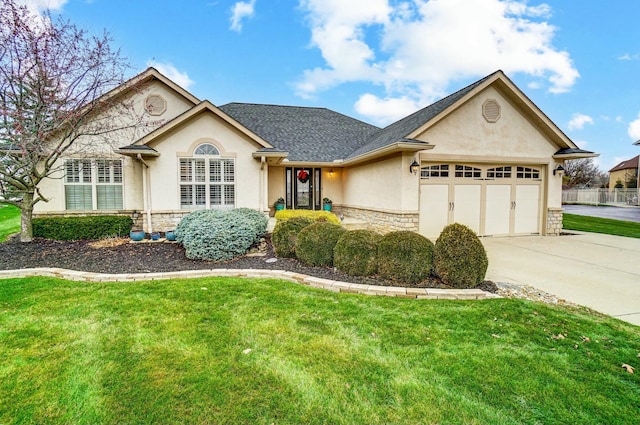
x,y
303,176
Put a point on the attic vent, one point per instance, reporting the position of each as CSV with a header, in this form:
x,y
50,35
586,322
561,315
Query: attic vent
x,y
155,104
491,110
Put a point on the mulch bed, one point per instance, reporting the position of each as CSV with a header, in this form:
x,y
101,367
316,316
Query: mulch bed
x,y
124,257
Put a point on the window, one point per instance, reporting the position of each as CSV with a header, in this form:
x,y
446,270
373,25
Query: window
x,y
528,173
499,173
207,182
93,185
466,171
434,171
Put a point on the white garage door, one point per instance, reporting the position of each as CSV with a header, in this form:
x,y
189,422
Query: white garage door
x,y
491,200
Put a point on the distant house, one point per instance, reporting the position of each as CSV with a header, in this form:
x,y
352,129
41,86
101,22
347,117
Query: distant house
x,y
626,173
485,156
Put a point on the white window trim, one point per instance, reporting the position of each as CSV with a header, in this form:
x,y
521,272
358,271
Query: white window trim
x,y
223,183
93,181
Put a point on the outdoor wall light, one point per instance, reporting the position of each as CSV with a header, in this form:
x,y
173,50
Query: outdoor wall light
x,y
414,167
559,170
331,172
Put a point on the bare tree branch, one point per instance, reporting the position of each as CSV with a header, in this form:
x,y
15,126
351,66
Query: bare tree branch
x,y
54,84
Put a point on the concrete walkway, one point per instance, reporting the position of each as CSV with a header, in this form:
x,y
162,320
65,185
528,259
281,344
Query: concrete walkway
x,y
597,271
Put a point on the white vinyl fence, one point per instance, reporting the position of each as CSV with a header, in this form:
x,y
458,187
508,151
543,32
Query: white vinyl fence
x,y
601,196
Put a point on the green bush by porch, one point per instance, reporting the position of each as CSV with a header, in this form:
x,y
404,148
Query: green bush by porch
x,y
81,228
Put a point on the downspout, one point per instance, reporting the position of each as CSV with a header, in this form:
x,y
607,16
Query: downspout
x,y
263,183
146,193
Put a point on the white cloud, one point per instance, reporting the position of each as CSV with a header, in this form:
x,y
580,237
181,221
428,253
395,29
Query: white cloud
x,y
38,6
384,110
629,57
416,49
634,129
241,10
578,121
170,71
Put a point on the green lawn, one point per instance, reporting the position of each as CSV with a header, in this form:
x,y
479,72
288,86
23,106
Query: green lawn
x,y
260,351
9,221
601,225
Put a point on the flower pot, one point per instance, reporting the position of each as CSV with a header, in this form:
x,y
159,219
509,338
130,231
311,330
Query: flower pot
x,y
155,236
170,235
279,207
136,235
326,207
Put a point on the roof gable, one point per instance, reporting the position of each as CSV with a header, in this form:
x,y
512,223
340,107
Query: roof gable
x,y
202,107
629,164
146,76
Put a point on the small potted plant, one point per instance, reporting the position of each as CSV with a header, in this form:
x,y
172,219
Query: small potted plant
x,y
326,204
137,235
279,204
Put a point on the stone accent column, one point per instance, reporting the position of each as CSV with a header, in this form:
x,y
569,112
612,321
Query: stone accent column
x,y
554,221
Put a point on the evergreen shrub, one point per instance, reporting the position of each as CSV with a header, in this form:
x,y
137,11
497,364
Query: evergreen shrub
x,y
356,252
460,259
315,243
405,256
220,235
285,234
313,215
81,228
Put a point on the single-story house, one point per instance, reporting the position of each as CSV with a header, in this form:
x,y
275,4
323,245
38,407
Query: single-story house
x,y
485,156
626,173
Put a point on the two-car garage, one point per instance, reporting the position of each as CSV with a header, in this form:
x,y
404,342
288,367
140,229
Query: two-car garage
x,y
490,199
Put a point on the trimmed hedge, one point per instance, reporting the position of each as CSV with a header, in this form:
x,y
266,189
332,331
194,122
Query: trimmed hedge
x,y
356,252
460,259
285,234
81,228
284,215
405,256
315,243
219,235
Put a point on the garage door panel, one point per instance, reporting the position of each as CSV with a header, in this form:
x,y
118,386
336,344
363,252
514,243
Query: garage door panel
x,y
434,209
498,210
527,209
468,200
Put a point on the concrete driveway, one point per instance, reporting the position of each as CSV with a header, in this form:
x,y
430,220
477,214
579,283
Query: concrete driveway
x,y
598,271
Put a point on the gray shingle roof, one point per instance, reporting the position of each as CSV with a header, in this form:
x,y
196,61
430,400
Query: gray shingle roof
x,y
399,130
308,134
322,135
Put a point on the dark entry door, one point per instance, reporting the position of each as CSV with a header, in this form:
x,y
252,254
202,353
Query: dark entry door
x,y
303,188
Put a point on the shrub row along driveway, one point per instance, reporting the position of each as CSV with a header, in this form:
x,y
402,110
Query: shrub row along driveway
x,y
590,269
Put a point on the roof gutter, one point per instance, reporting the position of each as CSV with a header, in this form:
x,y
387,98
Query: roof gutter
x,y
403,146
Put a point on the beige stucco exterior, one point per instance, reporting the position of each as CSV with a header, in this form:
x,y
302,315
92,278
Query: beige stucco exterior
x,y
377,187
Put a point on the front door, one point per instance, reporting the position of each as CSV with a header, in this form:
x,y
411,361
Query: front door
x,y
303,189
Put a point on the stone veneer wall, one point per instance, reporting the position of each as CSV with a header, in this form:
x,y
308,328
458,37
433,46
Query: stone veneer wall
x,y
382,221
554,221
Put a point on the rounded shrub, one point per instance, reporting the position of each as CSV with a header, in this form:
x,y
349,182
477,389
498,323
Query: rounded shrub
x,y
257,220
315,243
460,259
285,234
356,252
405,256
219,235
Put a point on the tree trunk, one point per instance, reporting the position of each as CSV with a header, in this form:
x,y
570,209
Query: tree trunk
x,y
26,216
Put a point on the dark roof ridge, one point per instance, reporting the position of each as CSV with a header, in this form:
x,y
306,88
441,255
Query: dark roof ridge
x,y
323,108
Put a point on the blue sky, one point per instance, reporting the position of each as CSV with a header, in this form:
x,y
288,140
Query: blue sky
x,y
379,60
